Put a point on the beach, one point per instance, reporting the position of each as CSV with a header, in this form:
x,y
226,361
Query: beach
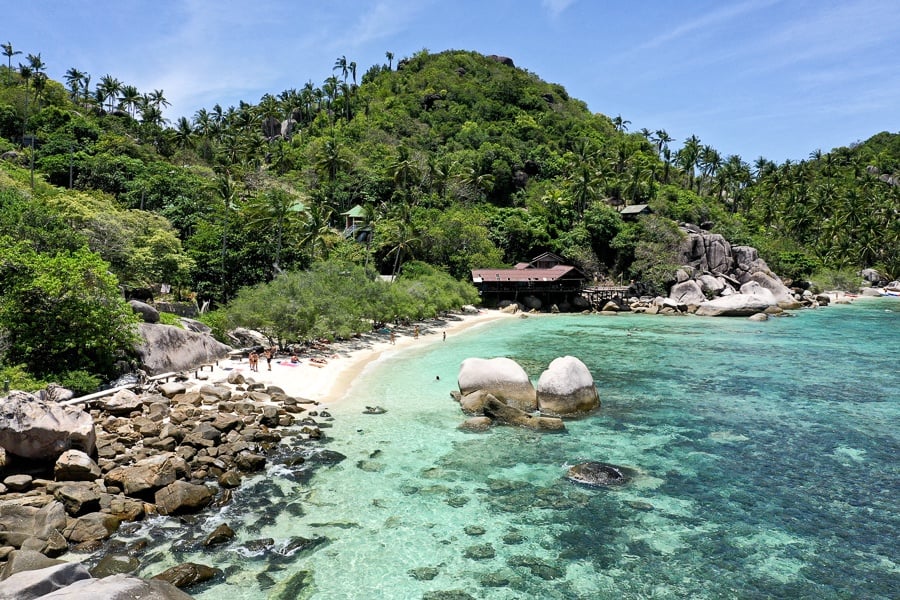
x,y
326,371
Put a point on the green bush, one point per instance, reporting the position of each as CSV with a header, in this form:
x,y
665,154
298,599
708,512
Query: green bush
x,y
172,319
80,382
20,379
846,280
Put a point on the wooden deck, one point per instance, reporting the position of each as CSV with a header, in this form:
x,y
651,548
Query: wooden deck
x,y
600,294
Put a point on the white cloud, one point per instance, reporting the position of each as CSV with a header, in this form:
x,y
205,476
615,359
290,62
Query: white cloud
x,y
556,7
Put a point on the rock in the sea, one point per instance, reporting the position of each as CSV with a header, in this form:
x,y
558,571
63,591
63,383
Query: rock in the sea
x,y
33,428
502,377
567,388
92,526
187,574
19,523
147,474
182,497
510,415
477,424
599,474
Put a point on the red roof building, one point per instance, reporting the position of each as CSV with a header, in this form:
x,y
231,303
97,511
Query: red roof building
x,y
545,277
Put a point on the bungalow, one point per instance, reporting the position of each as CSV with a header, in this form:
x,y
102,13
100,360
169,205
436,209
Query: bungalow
x,y
634,211
545,277
355,224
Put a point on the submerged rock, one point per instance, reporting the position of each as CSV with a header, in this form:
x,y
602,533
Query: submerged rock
x,y
502,377
599,474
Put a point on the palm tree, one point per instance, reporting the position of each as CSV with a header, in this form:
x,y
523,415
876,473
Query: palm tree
x,y
688,156
107,89
158,99
275,208
130,99
74,78
183,134
25,73
390,56
318,236
341,65
8,52
620,123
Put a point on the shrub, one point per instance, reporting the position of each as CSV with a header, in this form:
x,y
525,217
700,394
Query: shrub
x,y
80,382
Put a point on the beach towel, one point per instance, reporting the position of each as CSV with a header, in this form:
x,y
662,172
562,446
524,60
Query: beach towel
x,y
288,363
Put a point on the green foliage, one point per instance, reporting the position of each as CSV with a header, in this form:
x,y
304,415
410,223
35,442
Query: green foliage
x,y
847,280
80,382
794,265
170,319
219,322
21,379
657,252
62,312
336,300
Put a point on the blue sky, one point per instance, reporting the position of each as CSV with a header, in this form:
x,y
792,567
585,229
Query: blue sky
x,y
777,78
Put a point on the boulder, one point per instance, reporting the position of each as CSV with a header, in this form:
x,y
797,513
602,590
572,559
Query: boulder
x,y
599,474
532,302
711,285
170,389
783,296
567,388
40,583
510,415
687,292
187,574
707,252
166,348
119,587
147,312
19,523
18,561
478,424
35,429
182,497
473,404
90,527
759,317
78,497
752,299
247,338
75,465
121,404
502,377
146,475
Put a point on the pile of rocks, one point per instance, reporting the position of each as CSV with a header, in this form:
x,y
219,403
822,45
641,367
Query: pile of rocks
x,y
498,390
70,477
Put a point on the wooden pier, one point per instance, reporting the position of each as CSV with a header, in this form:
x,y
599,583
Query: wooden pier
x,y
599,295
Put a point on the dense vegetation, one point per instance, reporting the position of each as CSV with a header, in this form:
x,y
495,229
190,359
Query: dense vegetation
x,y
457,161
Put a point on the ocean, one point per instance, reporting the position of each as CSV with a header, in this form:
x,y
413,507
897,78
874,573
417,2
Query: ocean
x,y
766,456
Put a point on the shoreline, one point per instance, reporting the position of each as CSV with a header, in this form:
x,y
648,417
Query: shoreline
x,y
329,381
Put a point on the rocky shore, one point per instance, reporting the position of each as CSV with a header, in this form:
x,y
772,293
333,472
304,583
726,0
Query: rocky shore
x,y
73,475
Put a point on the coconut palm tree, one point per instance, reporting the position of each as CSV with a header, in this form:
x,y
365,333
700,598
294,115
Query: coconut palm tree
x,y
620,124
390,56
129,99
341,65
107,89
8,52
74,78
25,73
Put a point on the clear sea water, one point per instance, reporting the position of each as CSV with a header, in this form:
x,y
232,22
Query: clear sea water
x,y
767,456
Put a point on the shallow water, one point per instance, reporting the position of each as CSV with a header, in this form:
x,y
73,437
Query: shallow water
x,y
766,452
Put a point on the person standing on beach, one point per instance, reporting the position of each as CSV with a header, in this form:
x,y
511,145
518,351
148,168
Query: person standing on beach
x,y
416,332
393,338
253,359
270,354
445,336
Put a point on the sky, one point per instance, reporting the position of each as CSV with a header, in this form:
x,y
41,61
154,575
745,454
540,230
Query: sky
x,y
772,78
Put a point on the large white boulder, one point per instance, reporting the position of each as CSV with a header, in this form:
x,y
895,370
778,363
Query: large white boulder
x,y
502,377
783,295
167,348
36,429
752,299
687,292
567,388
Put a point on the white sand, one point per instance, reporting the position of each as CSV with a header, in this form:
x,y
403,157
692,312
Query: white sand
x,y
345,360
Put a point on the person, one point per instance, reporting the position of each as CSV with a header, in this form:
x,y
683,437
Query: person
x,y
393,338
445,336
416,332
270,354
253,359
294,358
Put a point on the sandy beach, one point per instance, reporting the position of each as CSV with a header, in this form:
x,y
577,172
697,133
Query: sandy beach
x,y
324,374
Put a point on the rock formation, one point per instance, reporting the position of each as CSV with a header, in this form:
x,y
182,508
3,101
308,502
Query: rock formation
x,y
567,388
501,377
40,430
166,348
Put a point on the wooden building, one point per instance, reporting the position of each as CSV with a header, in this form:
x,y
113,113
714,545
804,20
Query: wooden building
x,y
546,277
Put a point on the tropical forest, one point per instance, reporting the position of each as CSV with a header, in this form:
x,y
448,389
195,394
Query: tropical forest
x,y
444,161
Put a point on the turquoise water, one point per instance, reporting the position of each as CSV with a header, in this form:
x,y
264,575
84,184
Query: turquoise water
x,y
767,455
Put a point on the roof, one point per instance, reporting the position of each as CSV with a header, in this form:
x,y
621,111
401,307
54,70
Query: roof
x,y
355,212
555,274
297,206
635,209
